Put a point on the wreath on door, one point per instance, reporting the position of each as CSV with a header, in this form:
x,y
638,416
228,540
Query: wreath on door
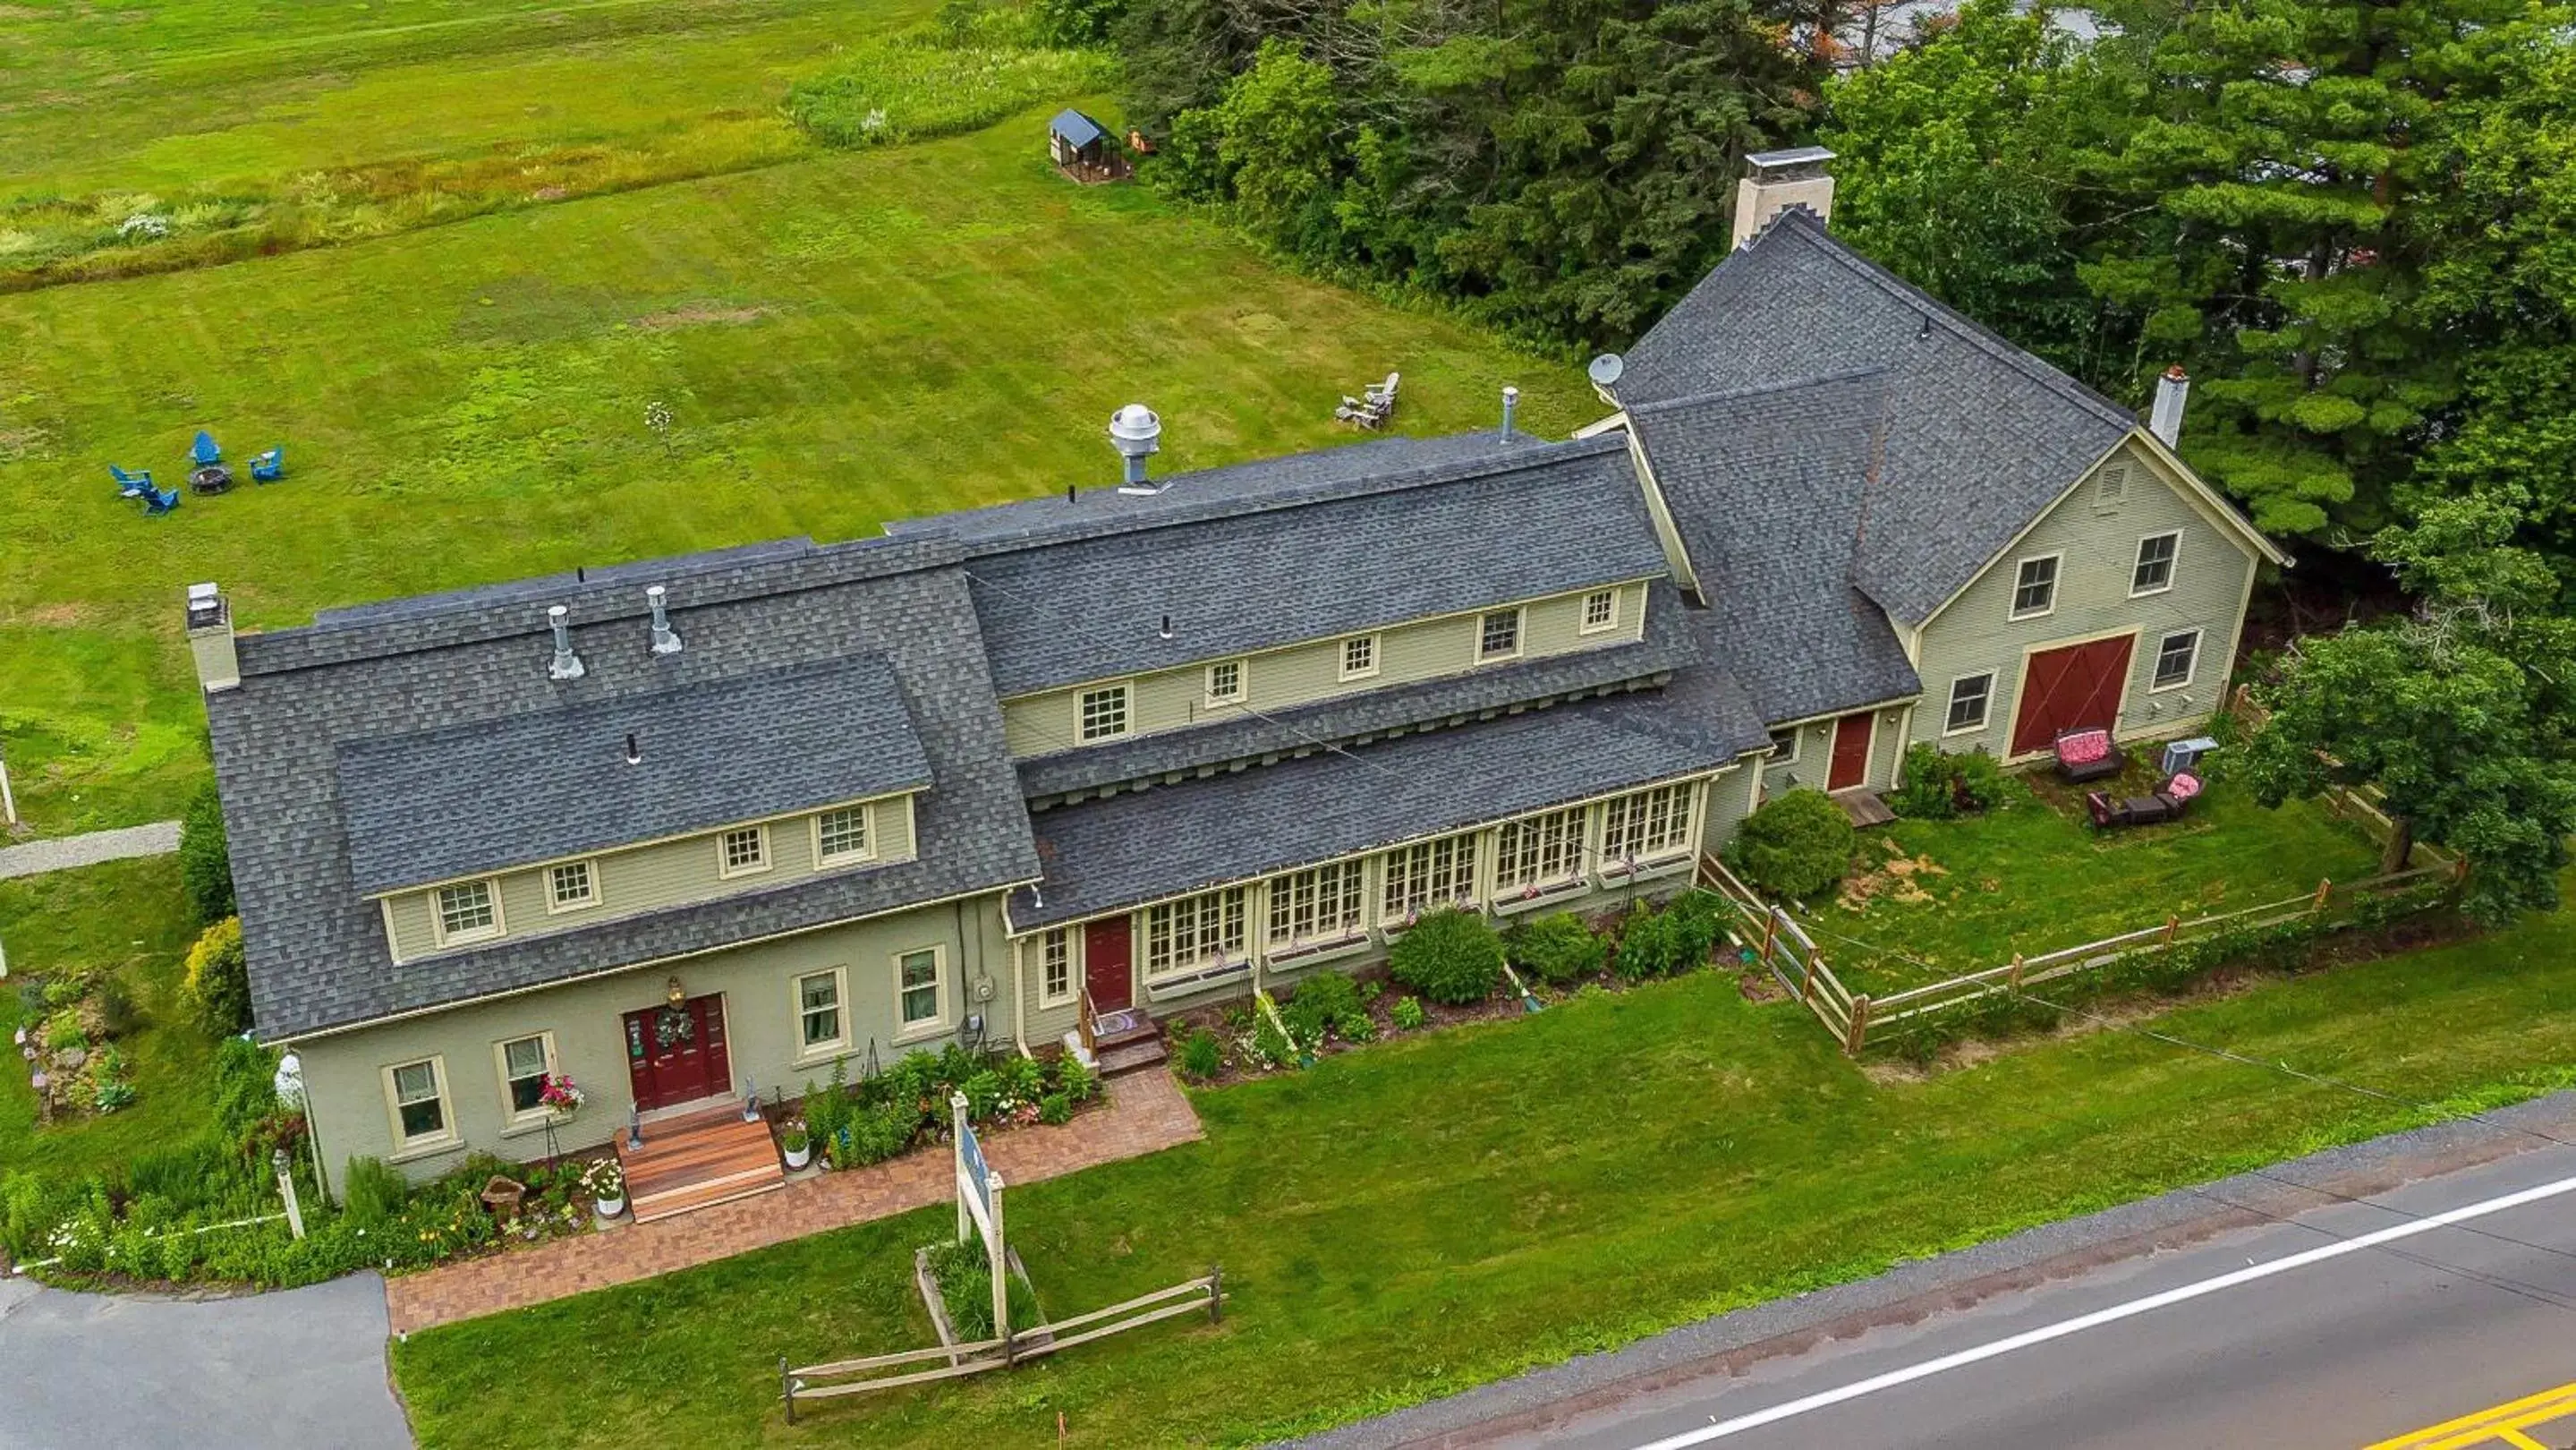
x,y
673,1026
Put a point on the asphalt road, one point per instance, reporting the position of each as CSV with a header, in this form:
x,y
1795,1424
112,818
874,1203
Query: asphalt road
x,y
302,1368
2366,1346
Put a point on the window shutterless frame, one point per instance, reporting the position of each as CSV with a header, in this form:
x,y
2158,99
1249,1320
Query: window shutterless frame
x,y
1359,657
1600,612
572,886
1784,745
1059,965
742,851
523,1064
418,1107
2159,556
1226,682
1498,634
1104,712
844,836
821,1003
1974,694
466,911
2035,582
2177,661
921,993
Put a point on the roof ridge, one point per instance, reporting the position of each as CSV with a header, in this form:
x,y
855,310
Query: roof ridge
x,y
1757,390
1796,221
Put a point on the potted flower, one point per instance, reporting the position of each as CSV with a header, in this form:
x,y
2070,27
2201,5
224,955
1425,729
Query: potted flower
x,y
560,1095
798,1145
605,1182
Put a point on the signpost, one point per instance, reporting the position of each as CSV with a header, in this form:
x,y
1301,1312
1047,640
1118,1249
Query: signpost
x,y
979,1210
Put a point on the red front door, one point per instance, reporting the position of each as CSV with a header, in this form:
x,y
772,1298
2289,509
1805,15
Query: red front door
x,y
1851,752
677,1054
2074,688
1106,968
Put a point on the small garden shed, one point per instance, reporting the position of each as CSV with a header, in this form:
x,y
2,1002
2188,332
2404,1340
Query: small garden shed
x,y
1081,148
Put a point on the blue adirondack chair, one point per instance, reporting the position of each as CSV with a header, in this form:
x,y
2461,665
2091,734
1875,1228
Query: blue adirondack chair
x,y
154,500
130,485
268,467
204,450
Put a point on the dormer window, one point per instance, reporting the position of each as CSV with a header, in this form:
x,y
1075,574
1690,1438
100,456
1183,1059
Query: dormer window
x,y
1498,635
1600,611
1359,657
571,886
842,836
468,911
1225,682
743,852
1104,713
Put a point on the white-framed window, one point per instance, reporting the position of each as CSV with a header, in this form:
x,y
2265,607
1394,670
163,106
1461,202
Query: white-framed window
x,y
2154,573
1056,966
1645,824
1427,876
572,886
416,1099
1539,851
1600,611
524,1063
1784,745
467,911
1104,713
820,1026
1225,682
1971,697
1195,931
843,835
1498,634
1359,657
1326,904
743,851
921,992
2177,659
2035,587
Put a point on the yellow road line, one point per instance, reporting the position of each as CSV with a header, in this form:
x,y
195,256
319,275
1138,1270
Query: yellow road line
x,y
2502,1424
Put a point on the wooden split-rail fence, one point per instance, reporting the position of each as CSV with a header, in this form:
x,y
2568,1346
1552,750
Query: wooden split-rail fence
x,y
842,1377
1789,952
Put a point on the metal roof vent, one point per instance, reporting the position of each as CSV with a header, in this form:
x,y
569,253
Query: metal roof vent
x,y
634,749
666,641
566,665
1511,405
1137,435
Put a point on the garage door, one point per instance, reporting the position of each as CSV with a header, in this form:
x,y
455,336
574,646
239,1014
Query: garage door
x,y
2070,689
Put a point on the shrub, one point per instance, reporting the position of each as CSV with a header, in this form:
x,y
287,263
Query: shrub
x,y
245,1087
1557,948
1981,781
1939,785
1202,1057
1076,1080
1649,945
1322,1002
116,1013
205,861
1271,1047
373,1191
964,1274
983,1092
1354,1027
1055,1108
187,1174
1450,956
217,989
1799,845
1407,1013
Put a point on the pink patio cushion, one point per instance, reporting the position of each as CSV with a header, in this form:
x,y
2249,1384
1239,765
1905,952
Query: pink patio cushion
x,y
2084,747
2183,786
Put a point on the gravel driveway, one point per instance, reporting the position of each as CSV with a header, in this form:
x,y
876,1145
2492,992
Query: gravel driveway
x,y
305,1367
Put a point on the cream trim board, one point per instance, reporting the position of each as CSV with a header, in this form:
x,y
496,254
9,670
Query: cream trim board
x,y
447,1133
867,835
2021,681
1890,703
2056,562
438,931
393,942
2173,564
1985,710
590,896
2210,502
512,1115
725,869
928,1026
1659,512
806,1052
2198,636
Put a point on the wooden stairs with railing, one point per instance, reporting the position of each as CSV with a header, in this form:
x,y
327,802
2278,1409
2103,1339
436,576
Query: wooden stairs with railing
x,y
699,1161
1126,1041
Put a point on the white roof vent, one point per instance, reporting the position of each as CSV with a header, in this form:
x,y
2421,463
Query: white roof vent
x,y
666,641
1137,435
566,665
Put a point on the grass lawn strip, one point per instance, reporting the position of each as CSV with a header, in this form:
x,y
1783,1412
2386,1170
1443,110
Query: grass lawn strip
x,y
1432,1213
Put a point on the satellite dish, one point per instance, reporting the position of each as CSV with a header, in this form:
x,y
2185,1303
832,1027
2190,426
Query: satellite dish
x,y
1606,369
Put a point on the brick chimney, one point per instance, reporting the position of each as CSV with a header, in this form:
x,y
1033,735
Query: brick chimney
x,y
1775,181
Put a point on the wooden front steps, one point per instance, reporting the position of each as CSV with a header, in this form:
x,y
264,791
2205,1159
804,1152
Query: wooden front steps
x,y
1126,1041
697,1162
1863,806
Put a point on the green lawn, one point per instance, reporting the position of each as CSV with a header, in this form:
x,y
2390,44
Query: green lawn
x,y
1935,899
130,917
843,339
1426,1214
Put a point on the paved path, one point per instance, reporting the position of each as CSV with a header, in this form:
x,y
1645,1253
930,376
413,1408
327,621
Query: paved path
x,y
303,1368
1146,1112
2355,1347
64,852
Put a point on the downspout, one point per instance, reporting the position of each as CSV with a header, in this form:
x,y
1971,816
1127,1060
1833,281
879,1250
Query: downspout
x,y
1019,1000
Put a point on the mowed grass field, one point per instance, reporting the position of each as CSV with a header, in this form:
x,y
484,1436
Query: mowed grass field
x,y
840,338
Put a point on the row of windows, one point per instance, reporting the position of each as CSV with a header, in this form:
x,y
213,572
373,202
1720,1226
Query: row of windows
x,y
2152,572
470,911
1328,904
1109,711
1972,696
422,1105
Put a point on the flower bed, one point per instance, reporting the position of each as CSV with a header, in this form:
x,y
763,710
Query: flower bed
x,y
71,1022
884,1114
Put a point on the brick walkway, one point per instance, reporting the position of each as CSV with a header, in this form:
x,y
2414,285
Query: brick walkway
x,y
1146,1113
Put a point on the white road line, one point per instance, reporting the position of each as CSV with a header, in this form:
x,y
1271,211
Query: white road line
x,y
2099,1317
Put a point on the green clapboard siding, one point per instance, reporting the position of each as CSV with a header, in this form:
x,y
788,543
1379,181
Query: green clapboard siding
x,y
1305,673
2099,546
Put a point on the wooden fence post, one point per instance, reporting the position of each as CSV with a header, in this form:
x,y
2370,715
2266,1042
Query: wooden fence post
x,y
1216,1293
2325,884
2173,926
786,1389
1770,936
1858,1036
2015,978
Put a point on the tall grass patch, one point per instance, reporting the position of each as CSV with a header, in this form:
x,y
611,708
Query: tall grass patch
x,y
965,71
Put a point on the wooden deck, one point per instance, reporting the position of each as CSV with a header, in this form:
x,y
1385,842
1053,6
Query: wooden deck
x,y
698,1161
1864,807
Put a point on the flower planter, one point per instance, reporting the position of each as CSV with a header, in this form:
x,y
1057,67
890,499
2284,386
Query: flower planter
x,y
608,1208
799,1157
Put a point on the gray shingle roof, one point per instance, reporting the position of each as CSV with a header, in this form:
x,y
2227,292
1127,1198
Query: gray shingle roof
x,y
1666,647
1296,549
316,947
557,782
1131,848
1766,487
1980,435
